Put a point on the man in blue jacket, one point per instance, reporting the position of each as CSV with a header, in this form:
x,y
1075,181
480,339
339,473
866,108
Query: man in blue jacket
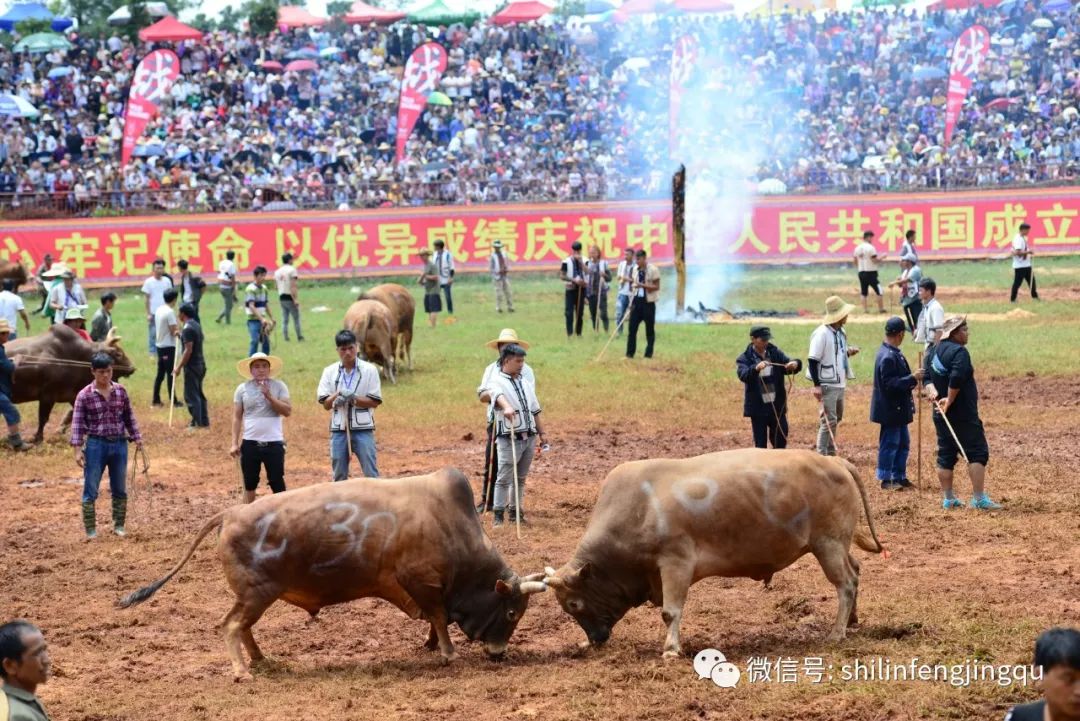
x,y
762,368
891,406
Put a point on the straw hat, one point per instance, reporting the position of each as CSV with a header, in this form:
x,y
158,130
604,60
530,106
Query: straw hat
x,y
424,252
5,327
507,335
74,314
55,271
244,367
836,309
952,323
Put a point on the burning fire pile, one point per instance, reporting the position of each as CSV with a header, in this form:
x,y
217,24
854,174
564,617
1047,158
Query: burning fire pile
x,y
701,314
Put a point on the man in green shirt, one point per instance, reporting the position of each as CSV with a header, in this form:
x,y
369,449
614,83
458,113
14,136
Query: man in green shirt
x,y
430,280
24,664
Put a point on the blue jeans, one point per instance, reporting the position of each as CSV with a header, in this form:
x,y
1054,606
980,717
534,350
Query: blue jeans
x,y
254,331
622,302
151,337
363,446
102,454
8,410
894,444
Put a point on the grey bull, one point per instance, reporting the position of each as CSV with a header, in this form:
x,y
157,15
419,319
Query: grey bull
x,y
660,526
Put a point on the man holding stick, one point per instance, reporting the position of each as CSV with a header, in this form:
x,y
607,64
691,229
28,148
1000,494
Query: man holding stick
x,y
645,289
351,390
950,377
762,368
508,336
516,411
192,364
891,407
572,274
829,369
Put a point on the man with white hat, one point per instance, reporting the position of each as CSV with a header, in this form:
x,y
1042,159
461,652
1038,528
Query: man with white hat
x,y
508,336
259,404
7,408
75,320
829,369
499,265
66,295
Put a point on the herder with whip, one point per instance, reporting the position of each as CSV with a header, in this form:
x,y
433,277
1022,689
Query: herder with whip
x,y
762,368
508,336
950,385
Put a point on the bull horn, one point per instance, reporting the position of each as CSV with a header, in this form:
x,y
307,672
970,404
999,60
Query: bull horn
x,y
528,587
535,577
549,571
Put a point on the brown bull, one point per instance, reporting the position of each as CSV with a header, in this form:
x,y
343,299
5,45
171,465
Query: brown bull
x,y
49,370
402,305
660,526
376,333
415,542
13,270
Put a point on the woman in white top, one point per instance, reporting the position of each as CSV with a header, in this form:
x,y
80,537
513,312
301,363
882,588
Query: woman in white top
x,y
259,405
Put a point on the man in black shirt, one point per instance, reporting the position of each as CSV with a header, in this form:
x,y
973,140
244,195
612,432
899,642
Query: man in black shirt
x,y
1057,652
193,364
950,377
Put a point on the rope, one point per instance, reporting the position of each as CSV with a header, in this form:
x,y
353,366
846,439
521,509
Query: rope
x,y
146,474
772,403
45,360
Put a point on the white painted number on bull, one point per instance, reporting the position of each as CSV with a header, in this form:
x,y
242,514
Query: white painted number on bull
x,y
260,554
353,542
712,664
658,510
695,494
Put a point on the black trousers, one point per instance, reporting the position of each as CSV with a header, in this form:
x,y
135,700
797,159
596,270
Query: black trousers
x,y
640,311
1019,276
449,298
768,430
165,358
271,456
602,308
912,311
193,395
574,307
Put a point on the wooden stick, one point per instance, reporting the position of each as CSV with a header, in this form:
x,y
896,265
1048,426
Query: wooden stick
x,y
175,382
918,433
937,404
517,495
616,330
828,427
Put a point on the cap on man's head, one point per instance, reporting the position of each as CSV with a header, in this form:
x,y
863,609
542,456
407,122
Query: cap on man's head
x,y
761,331
895,326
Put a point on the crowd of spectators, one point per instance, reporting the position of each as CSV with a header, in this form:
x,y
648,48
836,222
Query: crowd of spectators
x,y
546,112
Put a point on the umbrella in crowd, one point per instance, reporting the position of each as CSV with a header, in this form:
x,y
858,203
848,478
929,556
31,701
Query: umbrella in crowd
x,y
42,43
1043,24
303,54
521,12
437,98
122,14
299,66
302,155
330,52
363,14
13,105
149,150
170,29
1001,103
927,72
273,66
60,72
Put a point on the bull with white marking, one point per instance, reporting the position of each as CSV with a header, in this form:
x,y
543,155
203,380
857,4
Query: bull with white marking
x,y
660,526
415,542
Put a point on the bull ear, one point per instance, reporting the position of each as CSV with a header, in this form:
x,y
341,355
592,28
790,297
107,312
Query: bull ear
x,y
585,571
503,588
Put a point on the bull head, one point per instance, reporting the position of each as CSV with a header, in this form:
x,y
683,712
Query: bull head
x,y
111,345
596,603
492,618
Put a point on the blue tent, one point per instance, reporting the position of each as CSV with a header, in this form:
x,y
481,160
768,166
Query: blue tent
x,y
31,11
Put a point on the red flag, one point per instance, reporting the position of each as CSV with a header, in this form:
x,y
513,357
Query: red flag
x,y
422,74
683,60
968,54
153,78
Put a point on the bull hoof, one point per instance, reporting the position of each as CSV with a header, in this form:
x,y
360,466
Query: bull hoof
x,y
244,677
449,658
672,655
431,644
836,637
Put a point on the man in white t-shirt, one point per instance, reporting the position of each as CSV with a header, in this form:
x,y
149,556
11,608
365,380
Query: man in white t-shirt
x,y
226,274
166,328
259,404
867,259
444,263
829,367
154,289
625,277
928,326
12,307
351,390
285,277
1021,263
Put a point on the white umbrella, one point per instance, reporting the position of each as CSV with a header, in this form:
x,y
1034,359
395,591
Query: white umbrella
x,y
771,186
1042,23
13,105
636,63
122,15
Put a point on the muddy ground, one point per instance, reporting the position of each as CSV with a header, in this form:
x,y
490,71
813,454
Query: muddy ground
x,y
960,586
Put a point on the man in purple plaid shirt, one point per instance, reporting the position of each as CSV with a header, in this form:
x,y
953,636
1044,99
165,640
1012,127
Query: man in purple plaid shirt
x,y
104,419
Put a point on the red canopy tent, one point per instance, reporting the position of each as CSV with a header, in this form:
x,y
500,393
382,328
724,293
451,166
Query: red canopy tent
x,y
703,6
365,14
169,28
520,12
291,16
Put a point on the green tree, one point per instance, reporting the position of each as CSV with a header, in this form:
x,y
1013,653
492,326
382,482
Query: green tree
x,y
338,7
201,22
91,14
263,17
29,27
139,19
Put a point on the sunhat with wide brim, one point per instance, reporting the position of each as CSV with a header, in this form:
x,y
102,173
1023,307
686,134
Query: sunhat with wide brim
x,y
951,324
424,252
74,314
55,271
507,335
244,367
836,309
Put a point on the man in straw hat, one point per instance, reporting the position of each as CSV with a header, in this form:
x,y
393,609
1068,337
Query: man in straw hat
x,y
429,278
508,336
351,390
499,265
829,369
102,425
950,377
259,404
7,408
516,411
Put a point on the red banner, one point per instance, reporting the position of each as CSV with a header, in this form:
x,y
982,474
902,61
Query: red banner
x,y
683,60
153,78
968,54
778,230
421,77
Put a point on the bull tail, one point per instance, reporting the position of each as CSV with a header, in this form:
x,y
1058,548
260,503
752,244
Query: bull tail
x,y
144,593
867,542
